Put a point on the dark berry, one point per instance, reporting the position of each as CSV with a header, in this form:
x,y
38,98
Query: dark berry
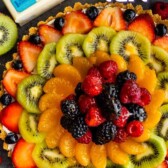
x,y
70,108
66,122
145,97
11,138
136,112
17,64
121,120
94,117
135,128
161,30
104,133
129,15
85,102
130,92
122,77
59,23
35,39
121,135
86,138
92,12
78,90
78,127
71,97
6,99
108,69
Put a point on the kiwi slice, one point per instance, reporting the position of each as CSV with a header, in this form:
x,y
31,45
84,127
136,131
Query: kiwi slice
x,y
8,33
153,156
162,127
126,43
110,164
28,124
98,39
45,157
158,59
29,91
69,46
46,61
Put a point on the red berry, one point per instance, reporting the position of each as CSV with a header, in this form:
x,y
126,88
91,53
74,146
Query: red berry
x,y
85,102
70,97
122,119
86,138
135,128
94,117
94,71
92,85
108,69
130,92
145,97
121,135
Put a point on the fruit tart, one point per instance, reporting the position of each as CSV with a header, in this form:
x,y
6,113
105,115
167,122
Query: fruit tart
x,y
88,88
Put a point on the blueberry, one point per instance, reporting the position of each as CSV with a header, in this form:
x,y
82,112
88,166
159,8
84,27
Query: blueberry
x,y
17,64
59,23
92,12
6,99
129,15
11,138
35,39
161,30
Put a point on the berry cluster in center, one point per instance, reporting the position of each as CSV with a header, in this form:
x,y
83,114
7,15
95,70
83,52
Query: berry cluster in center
x,y
106,106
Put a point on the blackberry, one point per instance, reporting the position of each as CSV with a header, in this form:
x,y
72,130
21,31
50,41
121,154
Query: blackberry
x,y
122,77
70,108
104,133
78,127
136,112
78,90
66,122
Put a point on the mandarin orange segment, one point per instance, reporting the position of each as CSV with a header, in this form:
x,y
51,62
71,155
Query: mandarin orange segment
x,y
116,154
82,153
137,66
49,100
92,59
101,57
149,80
67,145
122,64
53,137
59,86
68,72
49,119
98,155
132,147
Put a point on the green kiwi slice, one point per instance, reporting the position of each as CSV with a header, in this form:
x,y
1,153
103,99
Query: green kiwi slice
x,y
29,91
45,157
162,127
47,61
153,156
124,40
8,33
28,124
110,164
69,46
98,39
158,59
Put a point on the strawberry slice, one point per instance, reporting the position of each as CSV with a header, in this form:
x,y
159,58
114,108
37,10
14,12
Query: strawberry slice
x,y
11,79
9,116
163,165
143,24
77,22
112,17
22,155
49,34
162,42
29,54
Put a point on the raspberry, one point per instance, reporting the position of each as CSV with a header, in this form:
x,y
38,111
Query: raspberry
x,y
94,117
86,138
71,97
108,69
135,128
94,72
130,92
122,119
145,97
85,102
66,122
121,135
92,85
